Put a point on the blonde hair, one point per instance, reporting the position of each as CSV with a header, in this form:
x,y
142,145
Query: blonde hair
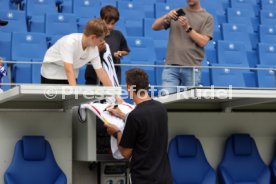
x,y
96,27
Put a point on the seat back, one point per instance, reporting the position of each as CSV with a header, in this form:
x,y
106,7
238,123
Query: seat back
x,y
17,21
266,78
268,17
33,162
86,8
188,162
268,34
241,162
267,54
40,7
5,45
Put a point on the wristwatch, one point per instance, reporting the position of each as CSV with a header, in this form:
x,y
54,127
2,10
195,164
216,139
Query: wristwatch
x,y
115,135
189,29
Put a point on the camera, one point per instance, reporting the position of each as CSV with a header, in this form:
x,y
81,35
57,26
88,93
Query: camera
x,y
180,12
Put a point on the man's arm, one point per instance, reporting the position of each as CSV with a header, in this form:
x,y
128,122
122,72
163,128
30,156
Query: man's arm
x,y
163,21
68,67
200,39
102,75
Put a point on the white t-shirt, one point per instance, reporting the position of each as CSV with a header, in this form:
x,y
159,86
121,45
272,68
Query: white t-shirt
x,y
68,49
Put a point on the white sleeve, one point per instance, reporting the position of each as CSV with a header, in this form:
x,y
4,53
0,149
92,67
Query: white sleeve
x,y
67,49
96,62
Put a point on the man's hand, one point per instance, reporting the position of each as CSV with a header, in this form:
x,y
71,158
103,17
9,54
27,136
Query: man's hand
x,y
115,111
184,22
102,47
172,15
111,129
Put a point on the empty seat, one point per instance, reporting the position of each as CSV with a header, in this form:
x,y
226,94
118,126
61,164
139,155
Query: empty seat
x,y
268,17
232,53
5,45
131,10
27,47
108,2
33,162
250,5
227,76
267,54
242,16
268,4
188,161
237,32
36,10
142,50
66,6
268,34
266,78
61,24
205,73
156,35
82,23
218,5
5,4
241,162
86,8
17,21
134,27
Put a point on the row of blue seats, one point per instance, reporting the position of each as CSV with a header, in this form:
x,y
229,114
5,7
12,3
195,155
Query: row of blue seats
x,y
32,47
241,162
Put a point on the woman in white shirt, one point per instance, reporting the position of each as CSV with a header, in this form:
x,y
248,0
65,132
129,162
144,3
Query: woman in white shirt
x,y
63,60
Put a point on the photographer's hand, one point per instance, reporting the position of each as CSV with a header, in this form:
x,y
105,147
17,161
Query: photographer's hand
x,y
172,15
184,22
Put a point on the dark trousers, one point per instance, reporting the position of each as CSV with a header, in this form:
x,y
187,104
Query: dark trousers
x,y
53,81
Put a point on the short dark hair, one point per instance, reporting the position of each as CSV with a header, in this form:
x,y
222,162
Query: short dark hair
x,y
138,78
109,13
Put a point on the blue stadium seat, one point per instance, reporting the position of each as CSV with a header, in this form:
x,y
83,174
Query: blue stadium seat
x,y
211,52
108,2
250,5
134,27
242,163
159,71
252,57
232,53
267,54
268,4
36,10
205,73
17,21
188,161
86,8
149,70
273,168
82,23
5,45
268,34
33,162
268,17
266,78
27,47
67,6
218,5
5,4
61,24
237,32
160,38
120,25
81,76
131,10
242,16
142,50
176,3
156,35
227,76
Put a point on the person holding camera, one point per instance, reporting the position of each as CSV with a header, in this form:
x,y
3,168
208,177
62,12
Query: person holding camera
x,y
191,28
